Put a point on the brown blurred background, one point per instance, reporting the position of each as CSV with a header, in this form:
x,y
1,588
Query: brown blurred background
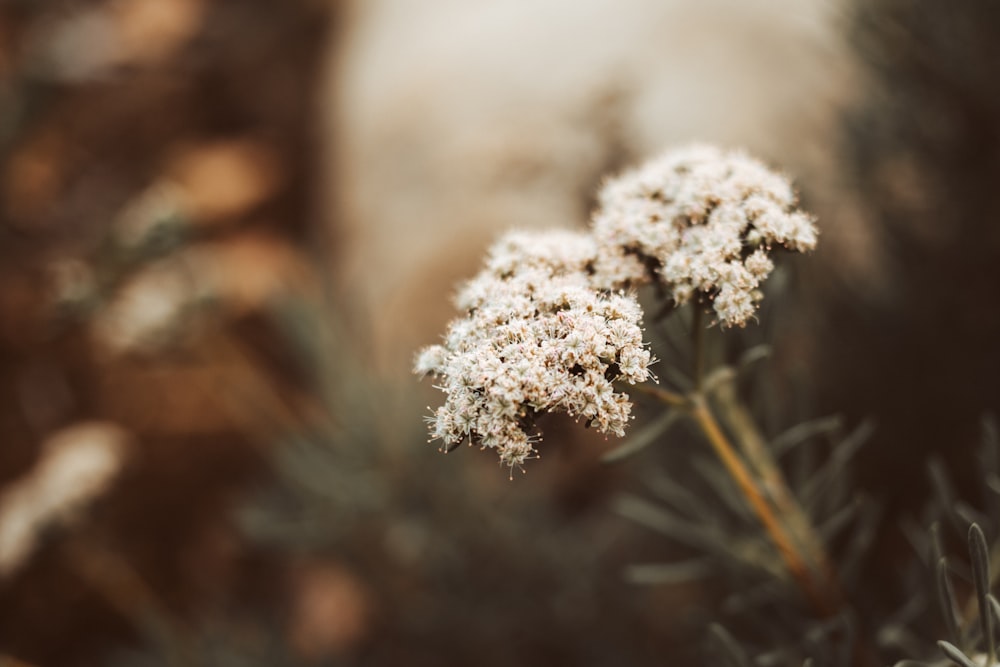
x,y
226,226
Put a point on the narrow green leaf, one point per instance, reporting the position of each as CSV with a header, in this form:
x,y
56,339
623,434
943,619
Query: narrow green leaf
x,y
671,491
722,487
980,555
667,523
669,573
817,488
677,377
995,608
991,433
943,491
937,548
993,482
754,597
643,438
801,433
731,650
946,601
969,514
753,355
862,537
952,653
718,376
840,519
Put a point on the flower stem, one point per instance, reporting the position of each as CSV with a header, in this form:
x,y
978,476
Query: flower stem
x,y
761,482
665,396
766,470
796,562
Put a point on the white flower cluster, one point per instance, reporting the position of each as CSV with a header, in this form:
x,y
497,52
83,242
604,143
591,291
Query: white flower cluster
x,y
549,324
703,220
537,337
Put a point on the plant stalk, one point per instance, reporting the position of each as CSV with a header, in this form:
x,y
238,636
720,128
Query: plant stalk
x,y
766,470
816,591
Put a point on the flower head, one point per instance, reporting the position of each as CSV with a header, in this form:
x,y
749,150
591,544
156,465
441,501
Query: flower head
x,y
549,323
536,337
699,220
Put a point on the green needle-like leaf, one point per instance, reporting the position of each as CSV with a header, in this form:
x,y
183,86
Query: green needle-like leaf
x,y
980,554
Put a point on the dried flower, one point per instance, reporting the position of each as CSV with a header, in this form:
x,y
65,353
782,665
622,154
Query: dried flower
x,y
537,337
160,305
699,220
150,310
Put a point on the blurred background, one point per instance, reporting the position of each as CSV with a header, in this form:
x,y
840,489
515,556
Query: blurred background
x,y
225,227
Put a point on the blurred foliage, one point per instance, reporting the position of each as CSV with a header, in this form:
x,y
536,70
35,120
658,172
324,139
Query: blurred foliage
x,y
151,153
920,152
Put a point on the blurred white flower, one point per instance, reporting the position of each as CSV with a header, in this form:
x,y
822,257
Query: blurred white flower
x,y
77,465
162,304
151,309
